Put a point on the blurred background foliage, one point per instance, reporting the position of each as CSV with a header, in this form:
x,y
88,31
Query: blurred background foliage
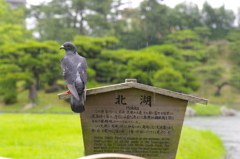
x,y
182,49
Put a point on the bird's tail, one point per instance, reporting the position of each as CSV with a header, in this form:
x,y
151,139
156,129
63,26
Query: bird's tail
x,y
77,106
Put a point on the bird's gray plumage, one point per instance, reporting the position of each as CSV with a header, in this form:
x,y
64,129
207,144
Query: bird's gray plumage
x,y
75,74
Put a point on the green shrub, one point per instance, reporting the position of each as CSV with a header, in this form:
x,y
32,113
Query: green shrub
x,y
209,109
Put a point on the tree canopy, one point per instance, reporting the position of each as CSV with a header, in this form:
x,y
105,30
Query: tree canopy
x,y
173,48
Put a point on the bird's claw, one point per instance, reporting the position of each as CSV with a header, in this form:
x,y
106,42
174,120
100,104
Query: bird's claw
x,y
67,92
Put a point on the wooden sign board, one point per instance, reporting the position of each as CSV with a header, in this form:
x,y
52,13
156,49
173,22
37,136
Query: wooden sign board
x,y
133,118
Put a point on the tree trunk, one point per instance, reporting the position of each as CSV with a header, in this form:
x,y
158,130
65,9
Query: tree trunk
x,y
37,79
32,93
81,29
219,88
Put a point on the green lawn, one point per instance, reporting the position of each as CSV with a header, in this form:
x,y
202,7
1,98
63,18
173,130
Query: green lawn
x,y
40,136
197,144
55,136
47,103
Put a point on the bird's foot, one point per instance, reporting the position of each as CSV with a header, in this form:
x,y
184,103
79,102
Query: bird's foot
x,y
67,92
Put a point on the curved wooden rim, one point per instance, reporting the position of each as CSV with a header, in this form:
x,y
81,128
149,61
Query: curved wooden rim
x,y
111,155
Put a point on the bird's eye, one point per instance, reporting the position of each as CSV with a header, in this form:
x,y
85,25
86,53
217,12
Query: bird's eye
x,y
67,45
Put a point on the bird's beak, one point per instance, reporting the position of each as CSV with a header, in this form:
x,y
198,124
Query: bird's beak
x,y
62,47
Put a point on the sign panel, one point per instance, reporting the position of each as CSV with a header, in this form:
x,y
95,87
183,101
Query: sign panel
x,y
133,121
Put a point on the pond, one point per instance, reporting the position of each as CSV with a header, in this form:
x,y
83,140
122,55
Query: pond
x,y
227,127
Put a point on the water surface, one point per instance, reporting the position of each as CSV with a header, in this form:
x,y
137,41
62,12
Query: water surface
x,y
228,128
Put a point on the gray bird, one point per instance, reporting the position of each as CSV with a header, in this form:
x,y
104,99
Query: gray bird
x,y
75,74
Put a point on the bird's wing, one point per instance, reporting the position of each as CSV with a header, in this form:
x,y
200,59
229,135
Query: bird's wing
x,y
73,90
82,70
70,74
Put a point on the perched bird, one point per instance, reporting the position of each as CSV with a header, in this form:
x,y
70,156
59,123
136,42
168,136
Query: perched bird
x,y
75,74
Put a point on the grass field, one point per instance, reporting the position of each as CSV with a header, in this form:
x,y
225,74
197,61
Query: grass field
x,y
40,136
52,136
196,144
47,103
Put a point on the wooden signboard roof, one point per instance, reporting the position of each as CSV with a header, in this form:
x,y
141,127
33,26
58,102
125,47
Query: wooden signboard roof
x,y
131,83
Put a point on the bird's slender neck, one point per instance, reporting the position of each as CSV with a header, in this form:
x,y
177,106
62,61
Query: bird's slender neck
x,y
70,51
